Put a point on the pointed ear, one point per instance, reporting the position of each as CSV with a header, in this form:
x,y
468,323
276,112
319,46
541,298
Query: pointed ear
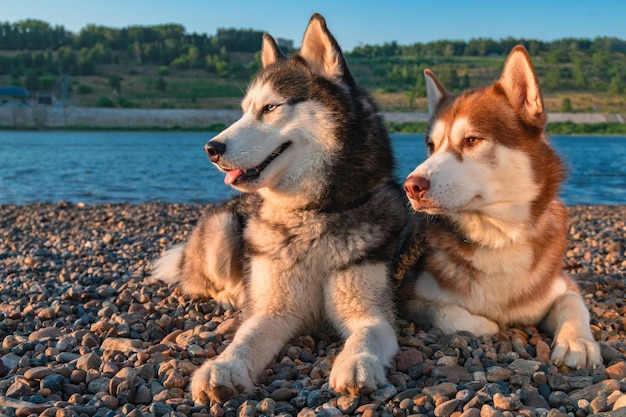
x,y
270,53
520,85
321,51
435,91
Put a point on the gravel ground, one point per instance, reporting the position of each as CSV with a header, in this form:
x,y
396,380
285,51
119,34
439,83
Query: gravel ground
x,y
85,333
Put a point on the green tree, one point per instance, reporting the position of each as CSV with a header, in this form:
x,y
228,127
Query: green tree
x,y
616,86
115,82
104,101
449,78
47,82
161,85
566,105
31,81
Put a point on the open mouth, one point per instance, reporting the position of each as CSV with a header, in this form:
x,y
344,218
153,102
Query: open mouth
x,y
239,175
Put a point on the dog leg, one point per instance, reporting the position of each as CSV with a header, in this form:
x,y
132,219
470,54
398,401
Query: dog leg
x,y
574,344
359,307
232,373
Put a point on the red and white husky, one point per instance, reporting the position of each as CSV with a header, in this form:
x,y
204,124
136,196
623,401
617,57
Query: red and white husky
x,y
496,232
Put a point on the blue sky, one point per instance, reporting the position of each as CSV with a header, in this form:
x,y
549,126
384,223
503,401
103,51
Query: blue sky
x,y
352,22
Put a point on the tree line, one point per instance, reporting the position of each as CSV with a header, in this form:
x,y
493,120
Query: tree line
x,y
38,46
570,64
36,50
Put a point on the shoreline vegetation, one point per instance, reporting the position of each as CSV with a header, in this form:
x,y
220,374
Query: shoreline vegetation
x,y
555,128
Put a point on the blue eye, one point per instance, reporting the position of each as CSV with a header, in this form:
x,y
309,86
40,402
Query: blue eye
x,y
270,107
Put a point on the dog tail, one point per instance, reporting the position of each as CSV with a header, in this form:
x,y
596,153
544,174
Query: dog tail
x,y
169,267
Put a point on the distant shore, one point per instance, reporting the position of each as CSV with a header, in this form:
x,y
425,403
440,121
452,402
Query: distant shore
x,y
91,118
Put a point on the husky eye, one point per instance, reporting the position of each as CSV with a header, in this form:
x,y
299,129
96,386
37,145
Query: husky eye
x,y
270,107
472,141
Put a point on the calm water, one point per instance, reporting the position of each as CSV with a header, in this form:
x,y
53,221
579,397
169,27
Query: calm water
x,y
99,167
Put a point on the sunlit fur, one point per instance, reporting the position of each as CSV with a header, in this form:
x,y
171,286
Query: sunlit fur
x,y
495,231
312,238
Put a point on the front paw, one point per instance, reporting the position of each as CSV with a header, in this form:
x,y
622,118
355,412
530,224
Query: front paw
x,y
577,352
356,374
452,319
220,380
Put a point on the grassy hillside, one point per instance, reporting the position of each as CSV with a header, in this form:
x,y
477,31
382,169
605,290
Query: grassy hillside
x,y
196,88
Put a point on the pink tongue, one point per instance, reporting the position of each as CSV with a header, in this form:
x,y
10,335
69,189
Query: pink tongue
x,y
231,176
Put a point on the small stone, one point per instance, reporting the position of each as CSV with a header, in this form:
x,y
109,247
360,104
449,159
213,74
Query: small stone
x,y
46,314
406,404
282,394
100,384
318,397
543,351
524,367
369,413
160,409
407,359
506,403
175,380
498,373
598,404
445,389
454,373
607,386
19,388
89,361
534,400
347,404
143,395
560,399
620,403
489,411
384,393
228,326
38,372
45,334
34,409
53,382
471,412
266,406
446,408
121,344
617,371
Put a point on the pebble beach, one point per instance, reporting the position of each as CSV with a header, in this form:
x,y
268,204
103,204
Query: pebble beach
x,y
85,332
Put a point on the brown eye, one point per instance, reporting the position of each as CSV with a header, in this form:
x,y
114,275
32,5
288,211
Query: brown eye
x,y
472,141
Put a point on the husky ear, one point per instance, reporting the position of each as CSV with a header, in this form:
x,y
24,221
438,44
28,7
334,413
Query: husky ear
x,y
270,53
321,51
435,91
520,85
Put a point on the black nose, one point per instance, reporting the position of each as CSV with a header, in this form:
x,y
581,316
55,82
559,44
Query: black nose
x,y
214,150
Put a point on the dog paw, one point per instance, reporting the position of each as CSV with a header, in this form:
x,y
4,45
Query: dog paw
x,y
357,374
576,352
452,319
219,381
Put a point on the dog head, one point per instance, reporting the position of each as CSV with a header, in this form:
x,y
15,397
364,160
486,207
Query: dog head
x,y
294,123
487,149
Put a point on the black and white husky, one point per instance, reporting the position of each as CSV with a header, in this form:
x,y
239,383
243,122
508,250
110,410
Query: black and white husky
x,y
314,232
